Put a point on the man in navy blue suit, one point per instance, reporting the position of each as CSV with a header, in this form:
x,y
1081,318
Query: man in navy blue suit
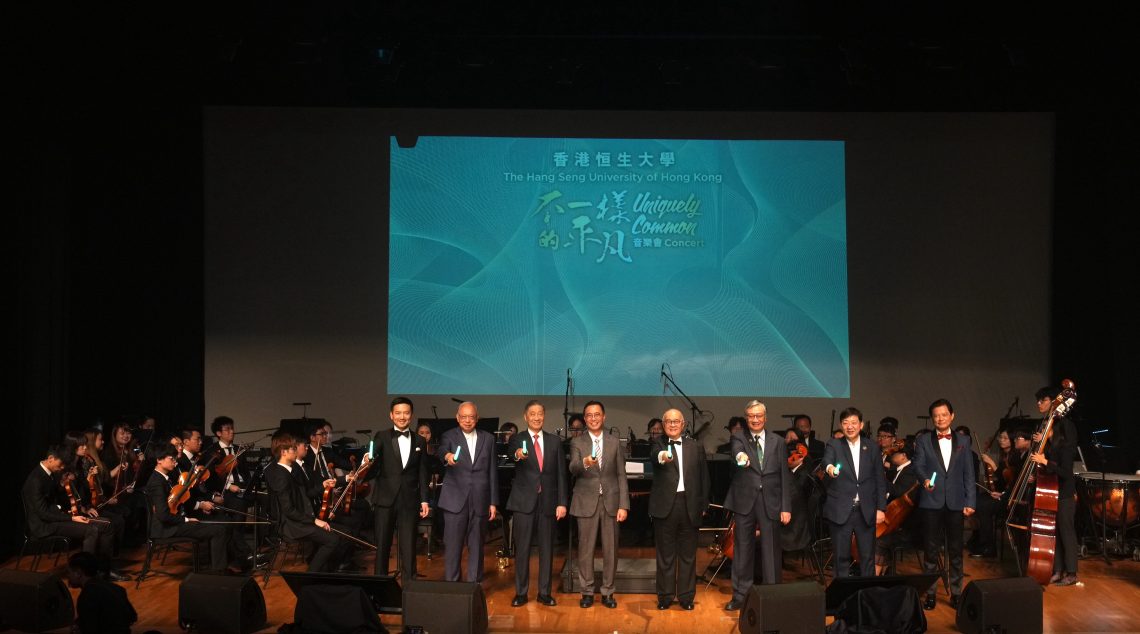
x,y
539,498
945,463
856,495
470,492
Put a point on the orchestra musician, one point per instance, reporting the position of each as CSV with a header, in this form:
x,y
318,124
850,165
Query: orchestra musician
x,y
400,488
600,502
470,494
1057,459
42,498
226,486
944,462
677,501
760,498
165,523
292,511
802,423
805,500
538,499
856,494
902,478
82,472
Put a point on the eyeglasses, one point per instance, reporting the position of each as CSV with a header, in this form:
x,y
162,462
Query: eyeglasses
x,y
321,433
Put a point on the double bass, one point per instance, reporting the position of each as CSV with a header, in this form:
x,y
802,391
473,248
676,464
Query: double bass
x,y
1042,525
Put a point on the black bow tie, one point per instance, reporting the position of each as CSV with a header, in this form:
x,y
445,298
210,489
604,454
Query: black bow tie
x,y
674,442
406,433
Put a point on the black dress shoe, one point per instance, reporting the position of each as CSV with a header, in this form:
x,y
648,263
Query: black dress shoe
x,y
546,599
733,605
587,600
954,602
519,600
663,604
928,604
609,601
115,575
686,605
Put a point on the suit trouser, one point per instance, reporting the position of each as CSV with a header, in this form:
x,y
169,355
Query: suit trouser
x,y
526,525
98,537
676,541
745,547
330,547
938,525
464,528
1065,557
213,533
588,528
400,521
864,541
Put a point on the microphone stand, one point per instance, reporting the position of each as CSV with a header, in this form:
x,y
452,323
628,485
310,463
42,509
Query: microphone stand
x,y
567,401
693,406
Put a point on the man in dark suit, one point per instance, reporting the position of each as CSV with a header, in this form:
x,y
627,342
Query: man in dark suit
x,y
945,463
677,501
538,499
470,494
163,523
760,499
601,500
42,498
802,423
292,511
399,493
856,494
228,490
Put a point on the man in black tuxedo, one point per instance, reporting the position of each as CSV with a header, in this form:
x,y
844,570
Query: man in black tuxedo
x,y
228,491
856,494
42,498
802,423
470,494
538,499
292,510
163,523
399,491
945,463
760,499
677,501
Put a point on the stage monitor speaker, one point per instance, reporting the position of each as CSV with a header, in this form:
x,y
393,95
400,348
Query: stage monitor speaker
x,y
1002,606
216,603
788,608
34,601
445,606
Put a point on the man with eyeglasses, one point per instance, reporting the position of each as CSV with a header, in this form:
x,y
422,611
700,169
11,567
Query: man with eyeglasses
x,y
677,501
760,498
600,502
469,496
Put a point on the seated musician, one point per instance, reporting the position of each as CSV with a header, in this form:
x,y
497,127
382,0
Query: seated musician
x,y
805,497
82,473
43,498
292,511
168,522
899,481
228,490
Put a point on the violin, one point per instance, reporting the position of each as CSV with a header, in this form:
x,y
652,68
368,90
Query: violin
x,y
796,454
72,498
180,493
326,513
93,481
228,462
127,471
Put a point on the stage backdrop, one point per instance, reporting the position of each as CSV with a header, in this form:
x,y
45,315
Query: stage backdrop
x,y
811,260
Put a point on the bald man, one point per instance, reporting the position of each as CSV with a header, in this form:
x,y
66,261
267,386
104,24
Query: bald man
x,y
470,494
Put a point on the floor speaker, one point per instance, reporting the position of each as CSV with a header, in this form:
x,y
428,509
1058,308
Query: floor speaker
x,y
985,606
34,601
445,606
216,603
787,608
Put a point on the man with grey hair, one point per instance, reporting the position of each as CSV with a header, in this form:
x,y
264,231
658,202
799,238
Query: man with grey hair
x,y
759,496
470,494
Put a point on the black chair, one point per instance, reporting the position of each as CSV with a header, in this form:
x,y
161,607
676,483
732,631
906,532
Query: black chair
x,y
164,545
279,545
56,544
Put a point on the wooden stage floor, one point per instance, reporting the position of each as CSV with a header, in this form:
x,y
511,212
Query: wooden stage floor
x,y
1107,601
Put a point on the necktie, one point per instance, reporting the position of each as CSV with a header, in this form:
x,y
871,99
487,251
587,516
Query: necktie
x,y
759,450
538,456
598,451
941,436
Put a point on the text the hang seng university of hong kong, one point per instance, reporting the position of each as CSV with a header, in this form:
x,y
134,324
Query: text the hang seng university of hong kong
x,y
616,223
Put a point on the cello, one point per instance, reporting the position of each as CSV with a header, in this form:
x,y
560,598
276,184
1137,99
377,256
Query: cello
x,y
1042,525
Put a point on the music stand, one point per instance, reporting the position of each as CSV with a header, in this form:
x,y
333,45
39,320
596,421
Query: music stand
x,y
384,591
842,587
